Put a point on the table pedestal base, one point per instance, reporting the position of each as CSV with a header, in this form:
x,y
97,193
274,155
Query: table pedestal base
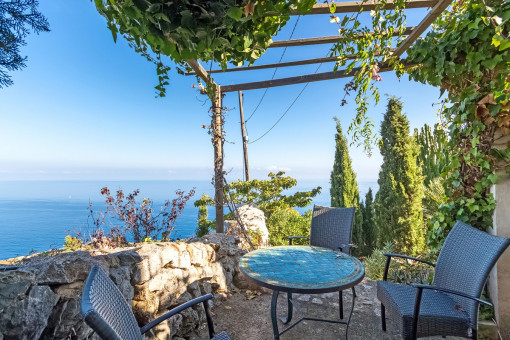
x,y
274,302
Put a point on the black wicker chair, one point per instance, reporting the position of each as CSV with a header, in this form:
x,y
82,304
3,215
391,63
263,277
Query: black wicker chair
x,y
448,307
331,228
109,315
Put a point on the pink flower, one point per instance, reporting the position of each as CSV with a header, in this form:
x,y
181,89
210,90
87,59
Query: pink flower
x,y
376,76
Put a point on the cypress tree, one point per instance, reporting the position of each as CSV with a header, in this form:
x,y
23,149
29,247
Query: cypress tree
x,y
369,231
344,188
398,203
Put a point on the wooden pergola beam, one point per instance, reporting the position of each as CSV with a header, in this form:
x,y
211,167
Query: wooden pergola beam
x,y
356,6
308,78
284,64
324,40
422,26
278,65
199,70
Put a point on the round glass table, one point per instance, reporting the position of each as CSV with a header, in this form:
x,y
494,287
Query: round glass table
x,y
302,269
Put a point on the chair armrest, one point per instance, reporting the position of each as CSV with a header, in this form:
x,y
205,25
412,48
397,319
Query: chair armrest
x,y
290,238
388,260
449,291
350,245
179,309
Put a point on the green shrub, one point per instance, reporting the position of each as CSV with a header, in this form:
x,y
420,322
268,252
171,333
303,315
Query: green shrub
x,y
287,222
72,243
401,270
203,224
374,264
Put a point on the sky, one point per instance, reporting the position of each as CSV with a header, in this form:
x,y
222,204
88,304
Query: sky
x,y
84,108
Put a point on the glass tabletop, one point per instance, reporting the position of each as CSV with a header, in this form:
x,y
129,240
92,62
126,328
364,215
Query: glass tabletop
x,y
302,269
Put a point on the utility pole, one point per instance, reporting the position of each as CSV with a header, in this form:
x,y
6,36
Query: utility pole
x,y
245,138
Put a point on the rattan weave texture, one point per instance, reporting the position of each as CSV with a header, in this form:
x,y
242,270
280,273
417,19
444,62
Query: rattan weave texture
x,y
463,265
439,314
331,227
105,306
465,261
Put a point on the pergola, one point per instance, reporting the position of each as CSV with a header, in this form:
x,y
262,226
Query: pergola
x,y
412,33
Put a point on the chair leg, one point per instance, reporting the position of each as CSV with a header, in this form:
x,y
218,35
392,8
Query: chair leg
x,y
475,334
383,317
341,304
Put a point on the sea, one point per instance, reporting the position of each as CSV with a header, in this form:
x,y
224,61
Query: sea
x,y
37,215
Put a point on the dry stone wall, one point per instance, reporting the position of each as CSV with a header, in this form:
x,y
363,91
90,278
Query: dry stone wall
x,y
41,298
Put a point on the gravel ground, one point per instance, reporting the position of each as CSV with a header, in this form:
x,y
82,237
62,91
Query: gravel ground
x,y
249,319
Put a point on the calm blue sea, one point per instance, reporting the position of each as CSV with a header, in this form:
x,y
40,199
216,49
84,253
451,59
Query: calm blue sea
x,y
37,215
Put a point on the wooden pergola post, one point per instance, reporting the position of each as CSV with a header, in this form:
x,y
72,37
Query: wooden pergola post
x,y
217,122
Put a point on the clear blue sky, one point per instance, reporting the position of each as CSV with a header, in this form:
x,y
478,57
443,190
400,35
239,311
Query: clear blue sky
x,y
84,108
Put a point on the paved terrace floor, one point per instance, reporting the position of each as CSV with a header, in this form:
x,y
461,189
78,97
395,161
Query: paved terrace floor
x,y
249,319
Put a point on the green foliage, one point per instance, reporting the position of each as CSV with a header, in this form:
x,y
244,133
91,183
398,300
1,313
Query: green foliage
x,y
204,226
433,157
370,51
288,222
398,203
234,31
72,243
400,271
467,54
375,263
239,31
268,194
369,228
344,190
17,19
433,198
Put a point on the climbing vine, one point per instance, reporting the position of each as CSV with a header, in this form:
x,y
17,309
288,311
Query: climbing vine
x,y
366,48
467,54
239,31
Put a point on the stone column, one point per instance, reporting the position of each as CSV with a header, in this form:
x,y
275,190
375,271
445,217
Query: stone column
x,y
499,280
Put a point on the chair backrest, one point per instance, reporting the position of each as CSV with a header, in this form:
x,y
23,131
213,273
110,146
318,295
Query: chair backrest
x,y
105,309
331,227
465,261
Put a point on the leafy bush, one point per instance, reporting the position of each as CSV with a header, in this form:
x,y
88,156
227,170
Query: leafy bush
x,y
401,270
136,219
72,243
374,264
288,222
268,196
434,196
204,225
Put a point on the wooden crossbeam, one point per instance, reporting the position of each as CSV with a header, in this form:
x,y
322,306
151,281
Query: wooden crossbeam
x,y
278,65
324,40
308,78
422,26
284,64
356,6
198,69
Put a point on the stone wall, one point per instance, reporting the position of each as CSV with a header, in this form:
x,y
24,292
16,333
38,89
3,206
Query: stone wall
x,y
499,279
41,299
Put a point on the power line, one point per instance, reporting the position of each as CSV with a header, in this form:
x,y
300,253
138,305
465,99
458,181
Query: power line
x,y
287,110
274,73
